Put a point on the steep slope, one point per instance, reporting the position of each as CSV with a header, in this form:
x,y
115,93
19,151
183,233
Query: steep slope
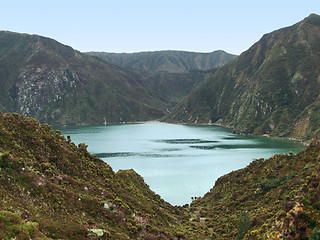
x,y
50,187
167,61
42,78
272,88
173,87
277,198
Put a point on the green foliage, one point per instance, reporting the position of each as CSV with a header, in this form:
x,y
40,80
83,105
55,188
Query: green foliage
x,y
63,189
269,184
4,156
274,182
315,234
244,224
13,227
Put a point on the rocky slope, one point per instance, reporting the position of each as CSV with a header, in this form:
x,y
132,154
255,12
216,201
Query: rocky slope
x,y
56,84
167,61
52,189
42,78
272,88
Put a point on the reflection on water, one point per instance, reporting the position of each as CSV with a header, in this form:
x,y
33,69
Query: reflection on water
x,y
177,161
231,146
134,154
184,141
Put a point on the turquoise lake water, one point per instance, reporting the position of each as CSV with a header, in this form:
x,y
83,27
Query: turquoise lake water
x,y
177,161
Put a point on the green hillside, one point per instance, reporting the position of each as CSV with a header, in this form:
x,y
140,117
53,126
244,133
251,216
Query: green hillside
x,y
277,198
42,78
272,88
172,74
52,189
56,84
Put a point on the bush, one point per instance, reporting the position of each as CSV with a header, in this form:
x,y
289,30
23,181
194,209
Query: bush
x,y
269,184
315,235
244,224
4,163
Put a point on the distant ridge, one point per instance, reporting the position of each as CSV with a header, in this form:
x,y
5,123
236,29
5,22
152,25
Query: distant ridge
x,y
167,61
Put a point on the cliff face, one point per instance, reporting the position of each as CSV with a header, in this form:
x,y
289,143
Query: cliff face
x,y
42,78
272,88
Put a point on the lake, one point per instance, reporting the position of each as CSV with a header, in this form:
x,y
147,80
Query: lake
x,y
177,161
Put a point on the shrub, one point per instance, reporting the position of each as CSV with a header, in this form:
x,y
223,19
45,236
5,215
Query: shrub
x,y
244,224
269,184
315,235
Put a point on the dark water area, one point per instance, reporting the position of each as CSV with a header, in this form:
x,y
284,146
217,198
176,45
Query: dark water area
x,y
177,161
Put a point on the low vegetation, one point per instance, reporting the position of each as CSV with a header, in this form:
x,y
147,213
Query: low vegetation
x,y
52,189
277,198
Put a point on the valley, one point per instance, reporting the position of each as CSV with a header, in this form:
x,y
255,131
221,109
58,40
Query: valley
x,y
54,188
56,84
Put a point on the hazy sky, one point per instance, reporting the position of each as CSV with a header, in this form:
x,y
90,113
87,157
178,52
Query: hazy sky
x,y
150,25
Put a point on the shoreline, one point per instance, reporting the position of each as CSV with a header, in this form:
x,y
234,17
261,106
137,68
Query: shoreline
x,y
301,141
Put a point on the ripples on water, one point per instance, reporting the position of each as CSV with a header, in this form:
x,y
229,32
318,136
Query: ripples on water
x,y
177,161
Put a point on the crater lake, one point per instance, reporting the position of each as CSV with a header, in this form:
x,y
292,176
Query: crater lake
x,y
178,162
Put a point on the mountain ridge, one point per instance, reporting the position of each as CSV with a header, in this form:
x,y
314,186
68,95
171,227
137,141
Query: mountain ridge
x,y
56,84
272,88
171,61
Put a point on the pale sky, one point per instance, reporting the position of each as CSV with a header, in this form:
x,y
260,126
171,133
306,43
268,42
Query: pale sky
x,y
152,25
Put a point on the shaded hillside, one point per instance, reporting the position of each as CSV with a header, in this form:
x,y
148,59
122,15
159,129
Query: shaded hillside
x,y
277,198
173,87
51,187
167,61
172,74
42,78
272,88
